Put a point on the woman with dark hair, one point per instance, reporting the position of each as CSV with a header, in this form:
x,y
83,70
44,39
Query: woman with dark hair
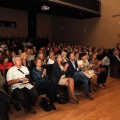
x,y
58,73
19,52
86,68
42,82
5,64
99,70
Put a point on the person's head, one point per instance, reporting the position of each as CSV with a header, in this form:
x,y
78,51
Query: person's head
x,y
31,51
23,56
94,56
64,54
25,48
38,62
19,52
34,49
7,52
72,56
17,60
58,58
77,56
116,52
83,56
28,51
51,55
41,56
99,51
4,59
12,53
90,49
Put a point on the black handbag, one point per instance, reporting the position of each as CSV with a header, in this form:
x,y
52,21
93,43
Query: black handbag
x,y
4,96
45,104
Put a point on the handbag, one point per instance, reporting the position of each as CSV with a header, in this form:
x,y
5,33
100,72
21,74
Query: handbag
x,y
89,73
45,104
4,96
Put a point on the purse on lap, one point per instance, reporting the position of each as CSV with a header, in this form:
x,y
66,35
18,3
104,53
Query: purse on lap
x,y
89,73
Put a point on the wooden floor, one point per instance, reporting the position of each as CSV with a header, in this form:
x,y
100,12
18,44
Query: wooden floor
x,y
106,106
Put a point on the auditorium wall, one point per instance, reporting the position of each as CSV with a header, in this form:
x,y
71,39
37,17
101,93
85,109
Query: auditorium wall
x,y
18,16
103,31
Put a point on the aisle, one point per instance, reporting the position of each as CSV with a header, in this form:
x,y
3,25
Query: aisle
x,y
106,106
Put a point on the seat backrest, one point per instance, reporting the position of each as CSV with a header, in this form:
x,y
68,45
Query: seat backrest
x,y
48,69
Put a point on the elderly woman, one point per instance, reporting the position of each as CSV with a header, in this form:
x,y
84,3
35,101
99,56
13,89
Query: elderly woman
x,y
43,83
28,64
58,73
64,57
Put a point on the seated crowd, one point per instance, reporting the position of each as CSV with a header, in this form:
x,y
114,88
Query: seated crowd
x,y
24,66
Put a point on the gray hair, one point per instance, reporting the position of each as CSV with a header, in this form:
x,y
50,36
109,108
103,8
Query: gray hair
x,y
14,57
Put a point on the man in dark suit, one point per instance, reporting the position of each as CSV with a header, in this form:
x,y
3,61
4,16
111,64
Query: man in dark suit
x,y
116,57
74,71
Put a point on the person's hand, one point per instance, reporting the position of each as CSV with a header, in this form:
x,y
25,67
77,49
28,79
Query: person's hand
x,y
80,66
44,73
91,65
24,80
66,65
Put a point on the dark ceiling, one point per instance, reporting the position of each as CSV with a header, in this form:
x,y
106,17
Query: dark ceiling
x,y
54,8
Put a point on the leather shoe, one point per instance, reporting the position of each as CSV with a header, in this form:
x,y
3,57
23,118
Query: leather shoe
x,y
17,108
33,111
53,106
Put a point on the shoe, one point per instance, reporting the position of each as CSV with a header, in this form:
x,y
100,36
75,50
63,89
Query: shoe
x,y
92,91
17,108
62,99
95,90
33,111
74,101
27,111
53,106
90,97
100,86
104,85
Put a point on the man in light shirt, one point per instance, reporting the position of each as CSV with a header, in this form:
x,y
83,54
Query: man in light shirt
x,y
51,58
17,77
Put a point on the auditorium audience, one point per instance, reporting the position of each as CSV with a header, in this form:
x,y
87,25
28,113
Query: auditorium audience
x,y
65,74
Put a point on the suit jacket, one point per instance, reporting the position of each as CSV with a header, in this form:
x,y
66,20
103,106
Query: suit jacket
x,y
71,70
57,72
115,60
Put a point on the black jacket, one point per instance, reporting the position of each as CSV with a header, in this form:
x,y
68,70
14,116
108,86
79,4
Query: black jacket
x,y
57,72
71,70
115,60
